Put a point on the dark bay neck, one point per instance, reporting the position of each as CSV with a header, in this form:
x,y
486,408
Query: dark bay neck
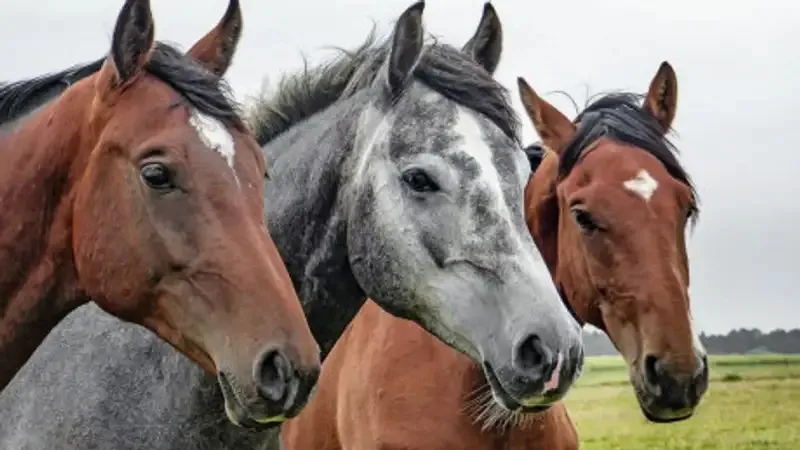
x,y
307,221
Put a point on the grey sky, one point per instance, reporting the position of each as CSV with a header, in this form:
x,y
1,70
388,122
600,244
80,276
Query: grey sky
x,y
737,66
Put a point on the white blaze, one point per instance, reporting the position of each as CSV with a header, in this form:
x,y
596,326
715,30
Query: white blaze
x,y
469,129
215,136
643,184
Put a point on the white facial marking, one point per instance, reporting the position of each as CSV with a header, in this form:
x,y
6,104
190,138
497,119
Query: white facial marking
x,y
215,136
642,184
532,262
469,129
372,128
555,377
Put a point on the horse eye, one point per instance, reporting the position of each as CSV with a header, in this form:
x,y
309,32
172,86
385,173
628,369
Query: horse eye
x,y
585,220
157,176
419,181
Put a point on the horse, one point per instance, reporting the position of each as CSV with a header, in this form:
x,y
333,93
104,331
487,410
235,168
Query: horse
x,y
608,204
395,173
138,188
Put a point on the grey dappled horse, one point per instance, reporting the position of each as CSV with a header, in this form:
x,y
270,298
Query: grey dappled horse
x,y
396,173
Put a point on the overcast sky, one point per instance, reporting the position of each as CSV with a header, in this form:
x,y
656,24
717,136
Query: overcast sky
x,y
738,67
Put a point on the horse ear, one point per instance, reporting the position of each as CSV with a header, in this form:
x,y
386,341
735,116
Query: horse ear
x,y
553,127
407,41
486,45
662,97
132,41
216,49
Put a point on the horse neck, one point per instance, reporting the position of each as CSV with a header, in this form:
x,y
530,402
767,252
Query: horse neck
x,y
307,218
38,285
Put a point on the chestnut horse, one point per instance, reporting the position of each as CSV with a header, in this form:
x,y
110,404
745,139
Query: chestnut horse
x,y
608,207
139,188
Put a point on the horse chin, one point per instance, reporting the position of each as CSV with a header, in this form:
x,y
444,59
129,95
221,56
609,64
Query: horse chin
x,y
535,409
236,411
655,414
666,416
669,418
505,401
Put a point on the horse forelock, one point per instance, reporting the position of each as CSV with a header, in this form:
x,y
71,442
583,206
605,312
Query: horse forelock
x,y
620,117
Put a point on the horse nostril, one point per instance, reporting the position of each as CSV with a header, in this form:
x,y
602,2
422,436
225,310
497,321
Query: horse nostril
x,y
533,358
272,375
651,373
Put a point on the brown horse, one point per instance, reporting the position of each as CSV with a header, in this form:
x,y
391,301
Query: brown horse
x,y
608,207
139,188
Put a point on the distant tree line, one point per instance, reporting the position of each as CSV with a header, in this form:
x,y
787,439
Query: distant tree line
x,y
741,341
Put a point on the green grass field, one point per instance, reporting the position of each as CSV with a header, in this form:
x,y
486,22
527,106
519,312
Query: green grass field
x,y
753,403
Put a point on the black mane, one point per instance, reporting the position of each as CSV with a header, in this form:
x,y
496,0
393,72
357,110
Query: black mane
x,y
200,88
19,97
620,116
443,68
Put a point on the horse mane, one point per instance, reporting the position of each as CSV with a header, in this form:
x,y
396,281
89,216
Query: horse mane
x,y
620,117
200,88
443,68
16,96
300,95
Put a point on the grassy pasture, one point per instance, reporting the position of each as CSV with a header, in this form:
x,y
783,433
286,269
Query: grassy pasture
x,y
753,403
